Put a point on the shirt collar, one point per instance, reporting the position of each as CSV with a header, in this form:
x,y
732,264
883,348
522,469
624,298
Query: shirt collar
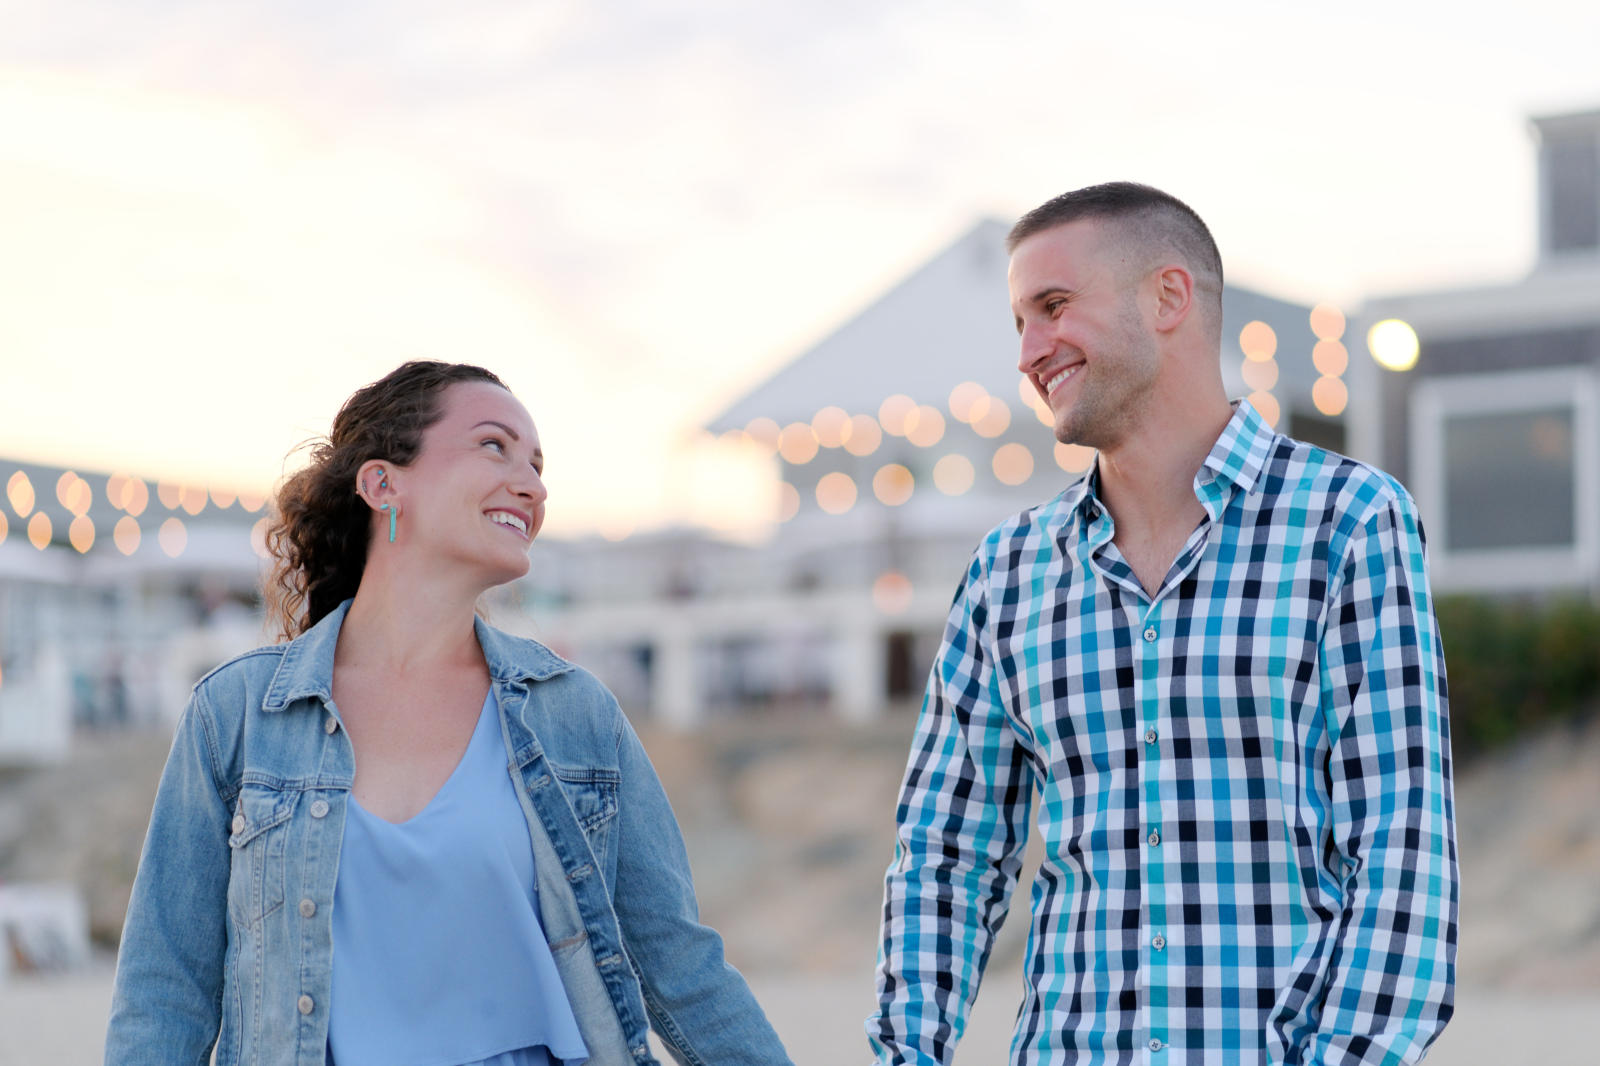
x,y
1239,456
306,669
1234,463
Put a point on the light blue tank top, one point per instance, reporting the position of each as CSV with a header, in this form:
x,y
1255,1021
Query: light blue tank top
x,y
439,958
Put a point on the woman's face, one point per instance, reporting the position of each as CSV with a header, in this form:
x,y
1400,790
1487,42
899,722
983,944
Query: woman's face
x,y
474,497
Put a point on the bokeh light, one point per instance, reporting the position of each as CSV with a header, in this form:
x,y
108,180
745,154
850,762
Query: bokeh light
x,y
80,534
764,432
995,420
131,495
1393,344
1330,358
1074,458
954,474
126,534
894,411
1259,376
798,445
925,427
40,530
192,499
258,537
19,490
1327,322
252,501
1330,396
1266,406
865,435
1013,463
5,527
170,494
788,502
74,493
223,497
965,398
1257,341
893,484
173,537
831,426
836,493
891,592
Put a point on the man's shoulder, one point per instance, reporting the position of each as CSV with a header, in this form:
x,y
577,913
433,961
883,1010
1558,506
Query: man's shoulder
x,y
1026,527
1298,470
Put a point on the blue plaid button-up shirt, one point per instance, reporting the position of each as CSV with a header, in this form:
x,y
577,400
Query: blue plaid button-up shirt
x,y
1244,782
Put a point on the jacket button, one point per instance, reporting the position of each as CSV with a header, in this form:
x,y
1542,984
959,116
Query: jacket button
x,y
641,1051
238,823
306,1005
331,726
319,808
308,908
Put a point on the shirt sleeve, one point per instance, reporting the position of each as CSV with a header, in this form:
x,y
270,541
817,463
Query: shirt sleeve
x,y
962,821
166,1006
1392,847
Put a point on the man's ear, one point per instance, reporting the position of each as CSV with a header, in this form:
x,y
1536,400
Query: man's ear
x,y
1174,296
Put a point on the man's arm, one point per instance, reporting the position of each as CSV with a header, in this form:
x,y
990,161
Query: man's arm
x,y
1392,970
961,825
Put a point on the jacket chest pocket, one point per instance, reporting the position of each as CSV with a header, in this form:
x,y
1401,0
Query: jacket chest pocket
x,y
257,840
593,797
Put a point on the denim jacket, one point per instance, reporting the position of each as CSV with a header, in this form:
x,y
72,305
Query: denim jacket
x,y
229,936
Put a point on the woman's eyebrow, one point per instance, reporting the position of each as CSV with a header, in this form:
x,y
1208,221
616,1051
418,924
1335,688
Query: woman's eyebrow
x,y
502,427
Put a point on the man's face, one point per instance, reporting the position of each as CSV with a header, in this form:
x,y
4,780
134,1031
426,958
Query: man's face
x,y
1085,345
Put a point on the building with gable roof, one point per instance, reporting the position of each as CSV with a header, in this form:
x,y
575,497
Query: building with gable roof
x,y
900,439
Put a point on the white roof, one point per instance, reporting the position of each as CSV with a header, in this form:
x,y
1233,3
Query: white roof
x,y
950,321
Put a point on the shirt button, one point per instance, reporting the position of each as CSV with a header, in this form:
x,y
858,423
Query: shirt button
x,y
1149,634
238,823
319,808
331,726
1154,838
1156,1045
1159,942
1092,512
308,908
1149,736
306,1005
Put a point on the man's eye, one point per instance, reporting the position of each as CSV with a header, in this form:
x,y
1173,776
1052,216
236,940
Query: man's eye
x,y
1054,307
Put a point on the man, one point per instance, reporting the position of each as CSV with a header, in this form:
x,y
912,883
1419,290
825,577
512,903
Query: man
x,y
1215,659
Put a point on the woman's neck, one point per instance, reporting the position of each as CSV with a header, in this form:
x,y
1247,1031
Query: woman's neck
x,y
403,627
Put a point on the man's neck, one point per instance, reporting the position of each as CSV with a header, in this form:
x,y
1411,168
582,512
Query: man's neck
x,y
1147,484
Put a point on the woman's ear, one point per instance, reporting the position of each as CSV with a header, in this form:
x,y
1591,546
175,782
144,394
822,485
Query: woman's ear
x,y
374,484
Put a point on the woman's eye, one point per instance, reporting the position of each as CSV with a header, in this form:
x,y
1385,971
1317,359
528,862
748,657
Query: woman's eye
x,y
497,445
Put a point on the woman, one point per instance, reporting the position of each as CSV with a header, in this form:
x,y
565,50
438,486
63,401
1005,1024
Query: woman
x,y
339,866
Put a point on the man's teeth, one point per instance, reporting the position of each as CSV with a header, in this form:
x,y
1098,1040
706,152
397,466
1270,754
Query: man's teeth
x,y
509,520
1050,386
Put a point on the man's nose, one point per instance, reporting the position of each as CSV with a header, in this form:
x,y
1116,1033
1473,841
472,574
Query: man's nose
x,y
1035,347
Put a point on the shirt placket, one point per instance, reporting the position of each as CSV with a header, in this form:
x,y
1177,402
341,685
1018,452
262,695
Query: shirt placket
x,y
1159,895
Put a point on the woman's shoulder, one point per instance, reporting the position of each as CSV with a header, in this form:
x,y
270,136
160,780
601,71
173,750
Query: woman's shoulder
x,y
251,669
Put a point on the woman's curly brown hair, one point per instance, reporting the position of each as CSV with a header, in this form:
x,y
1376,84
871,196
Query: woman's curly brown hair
x,y
319,534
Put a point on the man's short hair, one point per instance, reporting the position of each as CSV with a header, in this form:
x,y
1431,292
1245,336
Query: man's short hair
x,y
1148,217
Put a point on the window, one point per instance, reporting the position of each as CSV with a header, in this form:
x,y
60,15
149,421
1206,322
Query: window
x,y
1506,469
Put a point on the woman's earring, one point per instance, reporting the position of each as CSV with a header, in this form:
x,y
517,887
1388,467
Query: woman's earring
x,y
393,511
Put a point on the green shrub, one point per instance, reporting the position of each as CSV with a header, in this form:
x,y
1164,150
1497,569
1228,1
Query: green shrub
x,y
1516,664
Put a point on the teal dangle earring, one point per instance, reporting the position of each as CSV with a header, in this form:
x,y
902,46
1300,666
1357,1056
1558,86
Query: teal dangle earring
x,y
383,483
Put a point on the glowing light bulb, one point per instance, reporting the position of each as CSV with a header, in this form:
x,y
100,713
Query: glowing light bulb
x,y
1393,344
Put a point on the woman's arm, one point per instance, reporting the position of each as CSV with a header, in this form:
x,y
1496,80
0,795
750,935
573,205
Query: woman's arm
x,y
167,1003
698,1003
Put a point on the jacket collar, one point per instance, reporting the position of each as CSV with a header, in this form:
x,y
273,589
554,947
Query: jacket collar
x,y
306,669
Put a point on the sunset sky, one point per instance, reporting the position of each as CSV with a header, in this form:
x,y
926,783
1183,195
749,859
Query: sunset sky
x,y
217,220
